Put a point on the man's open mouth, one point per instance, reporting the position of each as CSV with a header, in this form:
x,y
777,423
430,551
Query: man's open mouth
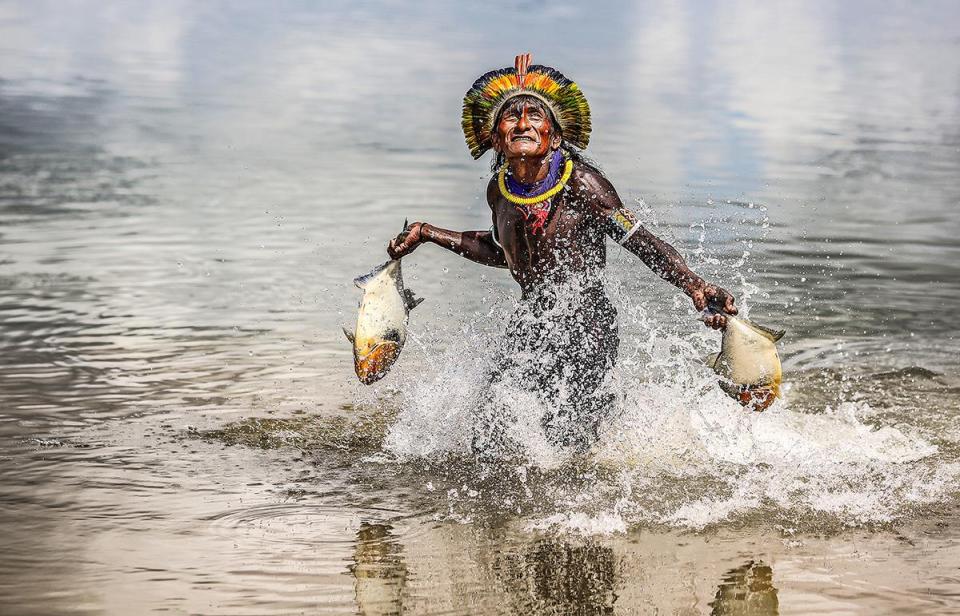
x,y
522,138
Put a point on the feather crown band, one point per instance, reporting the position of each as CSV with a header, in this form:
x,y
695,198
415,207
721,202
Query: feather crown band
x,y
491,91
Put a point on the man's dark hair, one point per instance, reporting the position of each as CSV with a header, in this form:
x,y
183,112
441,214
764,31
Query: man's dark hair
x,y
516,105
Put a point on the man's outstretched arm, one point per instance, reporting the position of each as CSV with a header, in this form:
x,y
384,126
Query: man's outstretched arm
x,y
478,246
622,225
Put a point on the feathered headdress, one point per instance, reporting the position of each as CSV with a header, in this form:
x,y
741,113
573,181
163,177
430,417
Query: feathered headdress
x,y
489,93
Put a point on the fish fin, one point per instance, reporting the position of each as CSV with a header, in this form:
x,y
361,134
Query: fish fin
x,y
730,388
772,334
406,225
361,281
349,335
411,300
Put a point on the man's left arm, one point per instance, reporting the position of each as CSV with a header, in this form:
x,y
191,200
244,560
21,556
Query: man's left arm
x,y
622,225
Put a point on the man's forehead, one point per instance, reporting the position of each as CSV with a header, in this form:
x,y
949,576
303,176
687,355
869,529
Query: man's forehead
x,y
521,103
527,103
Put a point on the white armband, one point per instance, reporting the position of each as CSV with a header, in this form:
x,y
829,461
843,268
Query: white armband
x,y
493,234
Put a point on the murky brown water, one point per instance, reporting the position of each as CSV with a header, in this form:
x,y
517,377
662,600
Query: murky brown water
x,y
187,190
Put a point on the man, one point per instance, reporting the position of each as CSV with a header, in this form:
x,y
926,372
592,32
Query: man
x,y
552,212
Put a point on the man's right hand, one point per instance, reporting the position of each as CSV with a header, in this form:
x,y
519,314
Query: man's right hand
x,y
406,241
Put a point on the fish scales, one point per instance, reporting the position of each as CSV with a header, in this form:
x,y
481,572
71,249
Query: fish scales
x,y
749,363
381,329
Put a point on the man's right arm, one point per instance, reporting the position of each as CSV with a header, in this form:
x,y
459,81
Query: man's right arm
x,y
478,246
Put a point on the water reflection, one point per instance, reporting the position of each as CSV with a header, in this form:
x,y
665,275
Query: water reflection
x,y
554,576
379,571
747,590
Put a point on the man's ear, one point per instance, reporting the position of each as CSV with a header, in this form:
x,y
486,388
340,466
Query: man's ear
x,y
555,140
495,141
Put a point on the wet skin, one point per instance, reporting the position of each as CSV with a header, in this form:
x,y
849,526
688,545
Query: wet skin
x,y
573,241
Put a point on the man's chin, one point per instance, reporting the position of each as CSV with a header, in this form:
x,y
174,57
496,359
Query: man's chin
x,y
525,149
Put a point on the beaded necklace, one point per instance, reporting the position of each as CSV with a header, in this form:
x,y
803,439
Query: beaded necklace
x,y
536,207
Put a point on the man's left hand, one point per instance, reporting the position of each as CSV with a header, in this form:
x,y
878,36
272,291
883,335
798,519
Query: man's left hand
x,y
711,295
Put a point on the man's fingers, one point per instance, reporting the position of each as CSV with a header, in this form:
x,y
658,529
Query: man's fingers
x,y
716,321
396,249
406,241
703,297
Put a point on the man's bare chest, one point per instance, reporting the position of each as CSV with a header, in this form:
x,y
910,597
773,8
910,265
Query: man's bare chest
x,y
568,233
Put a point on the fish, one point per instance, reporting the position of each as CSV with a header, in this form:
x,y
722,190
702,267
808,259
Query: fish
x,y
748,362
381,328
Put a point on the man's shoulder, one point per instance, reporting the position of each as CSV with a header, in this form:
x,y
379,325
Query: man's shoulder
x,y
585,172
587,178
493,190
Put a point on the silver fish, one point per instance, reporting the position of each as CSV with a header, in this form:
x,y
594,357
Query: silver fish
x,y
382,321
749,363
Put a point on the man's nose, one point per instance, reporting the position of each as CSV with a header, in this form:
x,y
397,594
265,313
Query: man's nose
x,y
523,123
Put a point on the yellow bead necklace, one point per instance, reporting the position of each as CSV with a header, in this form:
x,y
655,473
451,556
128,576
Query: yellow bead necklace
x,y
512,198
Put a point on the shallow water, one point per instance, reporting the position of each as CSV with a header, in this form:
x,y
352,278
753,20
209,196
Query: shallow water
x,y
186,191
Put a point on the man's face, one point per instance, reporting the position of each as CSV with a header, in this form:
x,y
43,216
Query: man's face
x,y
525,131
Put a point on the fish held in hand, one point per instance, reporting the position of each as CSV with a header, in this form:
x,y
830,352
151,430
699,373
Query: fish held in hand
x,y
382,321
749,363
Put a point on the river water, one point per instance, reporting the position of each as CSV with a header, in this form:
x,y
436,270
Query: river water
x,y
188,189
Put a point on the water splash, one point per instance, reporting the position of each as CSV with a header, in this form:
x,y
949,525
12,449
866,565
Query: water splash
x,y
676,451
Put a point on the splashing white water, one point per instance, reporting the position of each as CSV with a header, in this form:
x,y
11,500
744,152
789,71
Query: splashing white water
x,y
677,451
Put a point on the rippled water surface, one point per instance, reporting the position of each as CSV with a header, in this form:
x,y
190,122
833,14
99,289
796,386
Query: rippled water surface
x,y
187,190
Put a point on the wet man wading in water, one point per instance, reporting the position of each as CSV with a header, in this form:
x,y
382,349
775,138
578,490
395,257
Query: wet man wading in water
x,y
552,212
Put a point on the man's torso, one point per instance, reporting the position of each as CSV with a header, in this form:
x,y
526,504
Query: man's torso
x,y
570,245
